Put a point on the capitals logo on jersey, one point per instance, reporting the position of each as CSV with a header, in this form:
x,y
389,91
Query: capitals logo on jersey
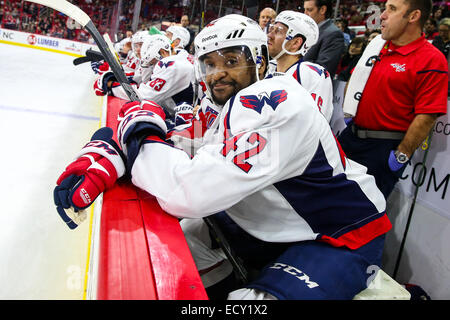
x,y
165,64
258,102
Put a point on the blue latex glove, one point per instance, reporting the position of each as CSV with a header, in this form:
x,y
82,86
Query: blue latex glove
x,y
394,165
348,120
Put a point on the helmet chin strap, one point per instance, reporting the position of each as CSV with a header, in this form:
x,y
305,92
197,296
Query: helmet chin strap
x,y
283,51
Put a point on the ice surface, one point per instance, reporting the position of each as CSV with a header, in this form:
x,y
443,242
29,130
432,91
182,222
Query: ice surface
x,y
48,111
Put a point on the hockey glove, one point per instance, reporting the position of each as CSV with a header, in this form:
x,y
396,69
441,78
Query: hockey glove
x,y
394,165
184,113
138,121
98,165
101,84
100,67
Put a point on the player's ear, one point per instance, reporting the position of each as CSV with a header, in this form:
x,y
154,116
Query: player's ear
x,y
298,42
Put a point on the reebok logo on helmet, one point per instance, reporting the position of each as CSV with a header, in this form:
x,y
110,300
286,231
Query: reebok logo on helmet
x,y
214,36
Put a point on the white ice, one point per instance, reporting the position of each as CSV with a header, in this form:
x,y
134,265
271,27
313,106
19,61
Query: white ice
x,y
48,111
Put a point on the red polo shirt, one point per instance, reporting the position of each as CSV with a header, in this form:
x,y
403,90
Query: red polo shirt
x,y
406,81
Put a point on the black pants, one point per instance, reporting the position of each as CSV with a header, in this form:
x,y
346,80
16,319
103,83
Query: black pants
x,y
373,154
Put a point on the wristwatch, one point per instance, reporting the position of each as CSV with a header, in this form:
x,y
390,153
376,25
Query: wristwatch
x,y
401,157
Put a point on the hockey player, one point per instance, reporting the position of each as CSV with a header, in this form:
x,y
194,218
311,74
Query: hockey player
x,y
127,52
307,218
133,58
167,78
179,36
123,47
289,38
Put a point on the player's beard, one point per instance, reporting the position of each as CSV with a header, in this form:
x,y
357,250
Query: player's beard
x,y
221,99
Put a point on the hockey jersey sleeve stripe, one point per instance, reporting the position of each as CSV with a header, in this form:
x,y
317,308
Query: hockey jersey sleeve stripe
x,y
361,236
227,126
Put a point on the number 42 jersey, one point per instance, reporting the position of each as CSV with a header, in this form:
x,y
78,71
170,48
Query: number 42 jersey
x,y
271,162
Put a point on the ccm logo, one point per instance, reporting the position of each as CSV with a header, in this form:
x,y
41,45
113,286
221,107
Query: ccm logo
x,y
295,272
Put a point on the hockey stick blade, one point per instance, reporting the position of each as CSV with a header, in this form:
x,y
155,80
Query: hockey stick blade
x,y
91,55
85,21
80,60
94,55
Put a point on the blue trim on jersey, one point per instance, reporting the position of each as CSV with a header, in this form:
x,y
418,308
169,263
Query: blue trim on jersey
x,y
185,95
298,63
346,207
227,119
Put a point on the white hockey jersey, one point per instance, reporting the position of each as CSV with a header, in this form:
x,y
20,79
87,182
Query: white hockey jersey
x,y
130,63
170,83
315,79
272,163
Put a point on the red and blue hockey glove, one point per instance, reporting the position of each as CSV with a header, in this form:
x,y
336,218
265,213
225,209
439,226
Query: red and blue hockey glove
x,y
139,120
184,113
96,168
101,84
101,87
100,67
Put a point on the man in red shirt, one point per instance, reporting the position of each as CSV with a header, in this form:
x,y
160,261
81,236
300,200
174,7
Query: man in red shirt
x,y
405,93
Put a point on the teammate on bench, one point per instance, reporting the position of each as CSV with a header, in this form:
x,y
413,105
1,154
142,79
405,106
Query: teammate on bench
x,y
289,202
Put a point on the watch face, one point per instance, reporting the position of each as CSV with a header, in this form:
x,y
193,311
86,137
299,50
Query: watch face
x,y
402,158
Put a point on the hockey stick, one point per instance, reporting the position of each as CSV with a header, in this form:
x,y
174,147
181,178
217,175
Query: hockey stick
x,y
85,21
111,47
411,209
220,238
90,55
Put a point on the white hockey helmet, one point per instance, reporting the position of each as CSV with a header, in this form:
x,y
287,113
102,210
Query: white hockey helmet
x,y
119,46
298,24
151,47
229,31
181,33
235,31
138,38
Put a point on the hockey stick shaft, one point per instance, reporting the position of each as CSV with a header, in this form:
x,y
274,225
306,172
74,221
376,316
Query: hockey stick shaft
x,y
85,21
237,265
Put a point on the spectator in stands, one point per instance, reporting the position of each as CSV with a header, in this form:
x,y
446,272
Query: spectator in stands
x,y
430,29
2,12
266,16
71,26
370,34
45,25
356,17
331,44
405,91
351,58
442,41
185,24
340,24
9,21
437,15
